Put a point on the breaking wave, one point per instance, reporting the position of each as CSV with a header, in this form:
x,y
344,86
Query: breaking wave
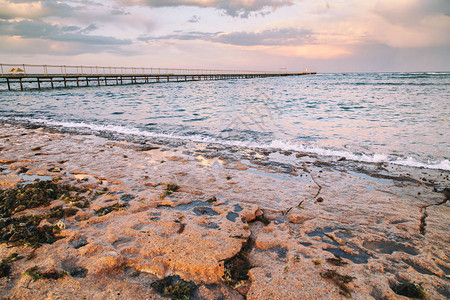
x,y
276,144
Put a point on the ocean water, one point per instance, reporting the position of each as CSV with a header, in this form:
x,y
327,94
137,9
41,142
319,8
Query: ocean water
x,y
401,118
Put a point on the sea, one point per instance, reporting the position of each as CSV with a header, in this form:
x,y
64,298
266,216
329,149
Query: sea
x,y
398,118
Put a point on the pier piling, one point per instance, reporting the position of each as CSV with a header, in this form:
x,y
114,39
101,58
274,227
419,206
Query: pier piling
x,y
88,76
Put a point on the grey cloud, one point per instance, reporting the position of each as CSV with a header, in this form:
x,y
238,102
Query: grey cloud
x,y
38,47
274,37
185,36
237,8
89,28
43,30
49,8
119,12
194,19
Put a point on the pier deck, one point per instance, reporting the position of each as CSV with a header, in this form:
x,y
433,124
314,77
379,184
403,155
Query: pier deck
x,y
31,77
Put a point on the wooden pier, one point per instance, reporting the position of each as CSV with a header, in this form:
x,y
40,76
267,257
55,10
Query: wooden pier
x,y
31,77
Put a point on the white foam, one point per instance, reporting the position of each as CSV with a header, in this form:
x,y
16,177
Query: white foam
x,y
276,144
411,162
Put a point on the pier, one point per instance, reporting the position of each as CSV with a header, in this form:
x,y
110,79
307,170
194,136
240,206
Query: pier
x,y
20,77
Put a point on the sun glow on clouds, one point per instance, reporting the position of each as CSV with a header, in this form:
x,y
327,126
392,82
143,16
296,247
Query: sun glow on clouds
x,y
25,9
246,34
311,51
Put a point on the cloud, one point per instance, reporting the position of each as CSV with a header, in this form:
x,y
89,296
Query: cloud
x,y
273,37
410,23
10,9
194,19
43,30
407,12
23,49
119,12
235,8
184,36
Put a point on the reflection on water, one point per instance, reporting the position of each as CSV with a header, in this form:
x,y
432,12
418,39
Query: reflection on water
x,y
397,114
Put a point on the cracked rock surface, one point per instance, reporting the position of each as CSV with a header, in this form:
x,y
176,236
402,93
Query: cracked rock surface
x,y
241,223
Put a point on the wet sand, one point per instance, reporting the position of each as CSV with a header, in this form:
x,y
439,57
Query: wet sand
x,y
223,224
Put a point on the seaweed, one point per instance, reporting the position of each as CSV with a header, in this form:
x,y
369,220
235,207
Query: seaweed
x,y
22,170
337,261
262,219
340,280
34,195
170,189
106,210
174,287
127,197
212,199
29,196
410,289
5,268
24,230
236,268
5,264
35,274
78,272
59,212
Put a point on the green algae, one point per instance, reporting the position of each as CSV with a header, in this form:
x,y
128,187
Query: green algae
x,y
25,229
261,219
108,209
170,189
340,280
213,199
410,290
35,274
337,261
236,268
175,288
5,264
35,195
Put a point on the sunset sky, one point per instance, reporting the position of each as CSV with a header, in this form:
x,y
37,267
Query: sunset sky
x,y
324,36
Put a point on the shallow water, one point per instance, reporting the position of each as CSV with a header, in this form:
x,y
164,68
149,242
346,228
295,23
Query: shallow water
x,y
391,117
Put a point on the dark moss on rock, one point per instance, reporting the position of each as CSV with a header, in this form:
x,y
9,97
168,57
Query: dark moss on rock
x,y
25,230
237,267
106,210
5,264
410,290
35,274
170,189
35,195
337,261
175,288
340,280
60,212
261,218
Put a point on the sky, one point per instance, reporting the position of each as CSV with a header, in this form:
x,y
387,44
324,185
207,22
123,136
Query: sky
x,y
266,35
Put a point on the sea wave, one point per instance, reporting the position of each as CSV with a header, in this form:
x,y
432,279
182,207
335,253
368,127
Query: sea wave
x,y
276,144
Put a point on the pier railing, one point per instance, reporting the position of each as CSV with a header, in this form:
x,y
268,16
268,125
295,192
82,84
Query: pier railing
x,y
70,70
28,77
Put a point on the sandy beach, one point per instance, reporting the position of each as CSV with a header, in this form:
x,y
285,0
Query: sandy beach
x,y
187,220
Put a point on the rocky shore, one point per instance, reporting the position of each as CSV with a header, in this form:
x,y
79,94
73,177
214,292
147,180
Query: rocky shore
x,y
86,217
